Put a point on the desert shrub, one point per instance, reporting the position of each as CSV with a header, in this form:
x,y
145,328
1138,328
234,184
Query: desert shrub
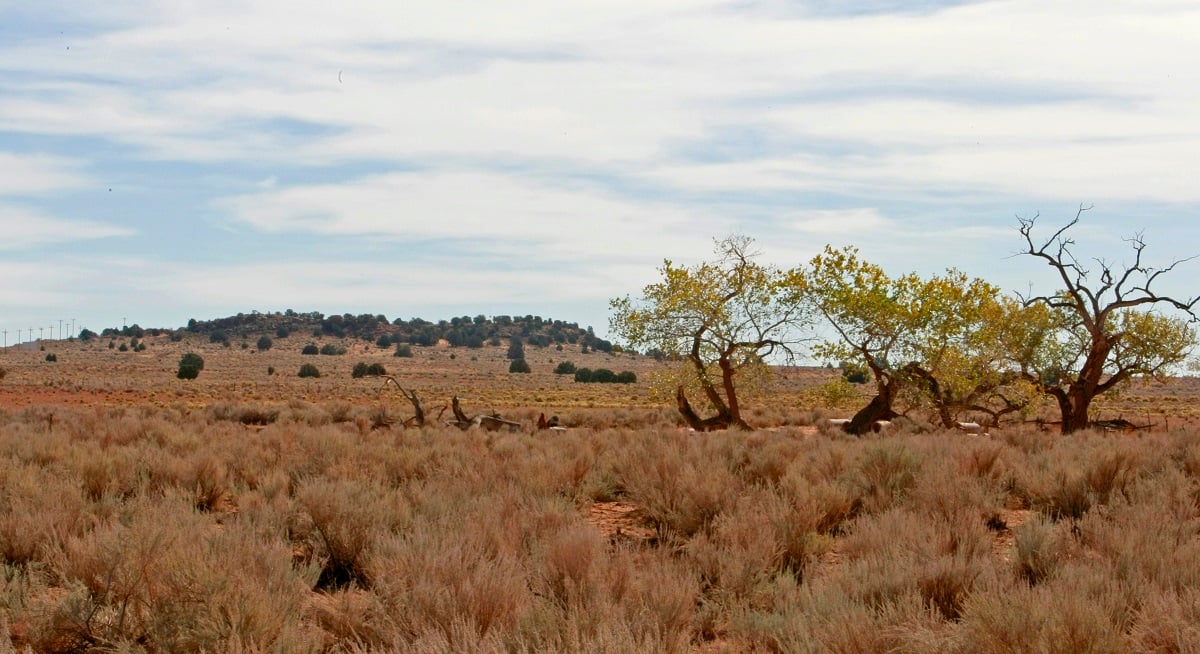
x,y
329,349
674,479
565,368
311,349
264,343
363,369
219,337
282,331
885,473
190,366
309,370
123,348
404,350
384,340
52,357
3,372
169,582
604,376
516,348
854,373
245,414
519,365
1039,550
347,517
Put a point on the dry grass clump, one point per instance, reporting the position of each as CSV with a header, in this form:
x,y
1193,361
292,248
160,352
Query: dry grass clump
x,y
168,529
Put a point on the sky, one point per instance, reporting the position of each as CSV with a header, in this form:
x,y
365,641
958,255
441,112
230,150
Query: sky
x,y
161,161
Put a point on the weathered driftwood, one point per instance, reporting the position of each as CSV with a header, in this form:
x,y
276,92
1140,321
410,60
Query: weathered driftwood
x,y
488,422
418,419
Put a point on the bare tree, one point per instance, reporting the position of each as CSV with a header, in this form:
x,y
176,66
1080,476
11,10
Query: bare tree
x,y
1106,333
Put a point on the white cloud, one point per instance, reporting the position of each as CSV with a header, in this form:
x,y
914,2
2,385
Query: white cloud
x,y
601,133
619,83
842,222
27,174
25,228
524,217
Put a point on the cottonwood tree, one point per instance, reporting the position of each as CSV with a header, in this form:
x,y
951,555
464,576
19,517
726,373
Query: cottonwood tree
x,y
922,340
722,320
1106,327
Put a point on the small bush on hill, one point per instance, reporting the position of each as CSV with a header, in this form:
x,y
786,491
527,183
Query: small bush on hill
x,y
264,343
311,348
363,369
604,376
52,357
516,348
519,365
565,368
332,350
190,366
404,350
309,370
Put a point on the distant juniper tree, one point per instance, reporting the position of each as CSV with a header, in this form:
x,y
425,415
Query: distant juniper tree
x,y
516,348
190,366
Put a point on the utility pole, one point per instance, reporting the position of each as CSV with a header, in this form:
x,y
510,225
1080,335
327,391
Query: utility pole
x,y
40,332
60,322
5,338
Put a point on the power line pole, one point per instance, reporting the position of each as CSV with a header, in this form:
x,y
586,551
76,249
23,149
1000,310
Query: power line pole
x,y
72,328
40,332
5,338
60,322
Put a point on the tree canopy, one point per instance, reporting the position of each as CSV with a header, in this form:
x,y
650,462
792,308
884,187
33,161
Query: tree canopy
x,y
1105,323
923,337
721,319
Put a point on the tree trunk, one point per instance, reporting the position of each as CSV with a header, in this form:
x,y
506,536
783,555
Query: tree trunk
x,y
1074,405
880,408
722,420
